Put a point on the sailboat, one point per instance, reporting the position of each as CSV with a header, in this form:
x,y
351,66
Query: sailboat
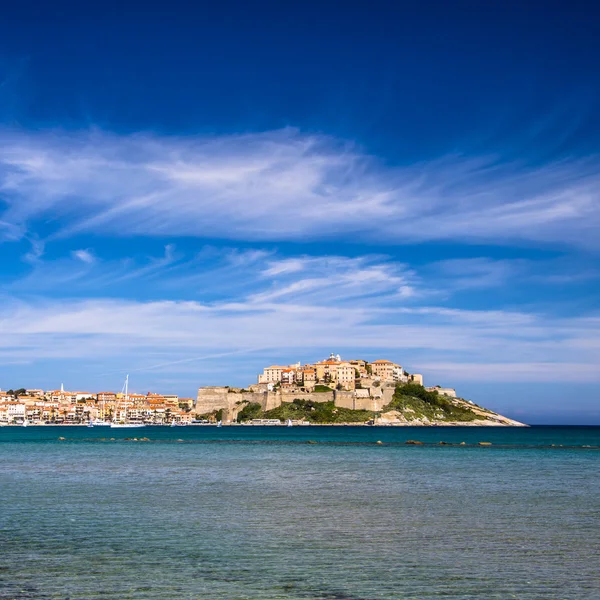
x,y
125,424
219,423
25,423
289,423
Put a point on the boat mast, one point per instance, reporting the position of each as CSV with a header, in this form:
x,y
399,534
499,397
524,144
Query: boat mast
x,y
126,394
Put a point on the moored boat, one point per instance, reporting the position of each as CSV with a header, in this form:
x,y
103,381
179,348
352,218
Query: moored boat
x,y
126,424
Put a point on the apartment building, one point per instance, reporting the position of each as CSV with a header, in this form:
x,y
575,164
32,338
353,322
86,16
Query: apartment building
x,y
327,371
386,370
288,377
271,374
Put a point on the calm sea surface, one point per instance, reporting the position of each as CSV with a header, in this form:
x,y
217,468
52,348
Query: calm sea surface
x,y
258,512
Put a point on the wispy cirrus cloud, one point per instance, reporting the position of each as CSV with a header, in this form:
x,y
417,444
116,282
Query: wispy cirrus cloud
x,y
480,272
286,185
465,345
306,304
85,256
170,306
338,279
251,275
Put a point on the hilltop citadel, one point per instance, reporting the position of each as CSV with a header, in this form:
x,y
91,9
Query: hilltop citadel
x,y
356,385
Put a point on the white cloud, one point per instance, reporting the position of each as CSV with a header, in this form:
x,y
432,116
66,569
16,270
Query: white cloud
x,y
84,256
447,345
334,279
286,266
285,185
36,252
241,301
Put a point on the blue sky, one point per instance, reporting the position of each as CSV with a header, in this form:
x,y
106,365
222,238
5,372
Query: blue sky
x,y
190,193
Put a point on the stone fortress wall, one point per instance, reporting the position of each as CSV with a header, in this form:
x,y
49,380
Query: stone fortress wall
x,y
215,398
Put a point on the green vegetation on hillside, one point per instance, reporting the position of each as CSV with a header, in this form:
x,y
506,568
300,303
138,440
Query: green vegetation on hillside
x,y
322,388
307,410
415,402
318,412
412,400
215,415
252,410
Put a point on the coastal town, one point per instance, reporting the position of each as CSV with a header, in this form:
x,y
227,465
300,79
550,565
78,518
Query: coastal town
x,y
338,390
62,407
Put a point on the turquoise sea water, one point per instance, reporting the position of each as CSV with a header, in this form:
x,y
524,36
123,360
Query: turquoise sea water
x,y
258,512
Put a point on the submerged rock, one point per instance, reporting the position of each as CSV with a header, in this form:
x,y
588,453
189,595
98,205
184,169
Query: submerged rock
x,y
414,443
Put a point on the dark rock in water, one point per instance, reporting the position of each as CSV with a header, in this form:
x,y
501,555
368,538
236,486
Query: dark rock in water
x,y
445,444
485,443
414,443
311,442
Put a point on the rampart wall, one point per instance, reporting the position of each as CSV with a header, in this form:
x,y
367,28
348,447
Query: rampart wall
x,y
215,398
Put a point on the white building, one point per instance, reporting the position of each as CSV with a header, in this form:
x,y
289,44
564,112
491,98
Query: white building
x,y
15,411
